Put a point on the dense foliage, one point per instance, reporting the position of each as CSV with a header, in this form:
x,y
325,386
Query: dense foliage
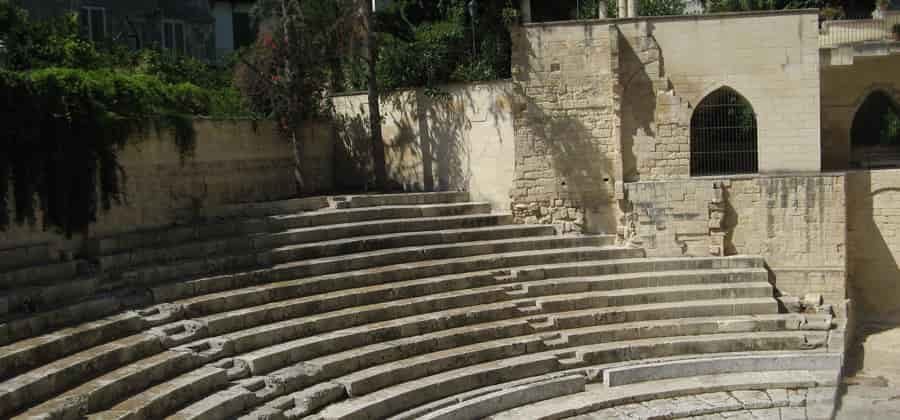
x,y
425,43
69,105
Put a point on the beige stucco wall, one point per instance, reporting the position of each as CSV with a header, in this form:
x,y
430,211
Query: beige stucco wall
x,y
874,243
796,222
234,162
459,140
844,88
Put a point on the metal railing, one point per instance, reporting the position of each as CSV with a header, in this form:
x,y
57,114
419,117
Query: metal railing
x,y
723,135
834,33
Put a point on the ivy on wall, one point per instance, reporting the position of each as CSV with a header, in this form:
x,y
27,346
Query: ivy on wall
x,y
61,133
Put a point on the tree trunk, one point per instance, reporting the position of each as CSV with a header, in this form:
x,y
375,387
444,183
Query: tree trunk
x,y
297,145
377,143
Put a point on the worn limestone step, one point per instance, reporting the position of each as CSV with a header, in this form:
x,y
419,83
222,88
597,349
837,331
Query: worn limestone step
x,y
600,267
277,223
51,379
645,372
28,354
276,283
593,374
686,292
628,280
275,270
167,397
598,397
427,358
106,390
665,310
233,244
516,396
394,399
427,240
252,210
45,322
773,404
35,298
629,350
272,337
26,256
32,325
273,312
38,274
372,200
383,403
375,352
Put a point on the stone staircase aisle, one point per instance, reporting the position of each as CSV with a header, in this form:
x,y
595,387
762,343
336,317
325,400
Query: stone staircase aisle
x,y
399,306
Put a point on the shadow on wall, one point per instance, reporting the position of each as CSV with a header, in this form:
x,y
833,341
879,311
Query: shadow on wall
x,y
425,139
874,274
638,108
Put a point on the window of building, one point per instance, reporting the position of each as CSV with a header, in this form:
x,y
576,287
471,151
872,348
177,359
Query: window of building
x,y
723,135
875,133
93,22
173,36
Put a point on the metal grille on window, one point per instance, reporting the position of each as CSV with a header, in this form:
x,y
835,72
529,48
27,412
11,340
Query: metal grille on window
x,y
723,135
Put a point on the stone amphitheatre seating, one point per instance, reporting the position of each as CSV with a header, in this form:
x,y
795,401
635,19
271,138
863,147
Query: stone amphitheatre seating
x,y
414,306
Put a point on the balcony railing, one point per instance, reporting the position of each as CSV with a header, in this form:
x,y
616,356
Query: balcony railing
x,y
835,33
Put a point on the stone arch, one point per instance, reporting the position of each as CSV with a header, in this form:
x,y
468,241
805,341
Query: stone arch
x,y
874,129
724,135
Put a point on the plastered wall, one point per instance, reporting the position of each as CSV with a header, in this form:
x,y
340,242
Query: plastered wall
x,y
459,139
234,162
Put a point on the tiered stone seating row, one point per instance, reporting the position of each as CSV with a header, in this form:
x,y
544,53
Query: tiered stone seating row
x,y
398,306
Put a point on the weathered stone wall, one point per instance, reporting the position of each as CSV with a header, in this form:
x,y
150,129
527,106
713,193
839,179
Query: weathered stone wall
x,y
844,88
610,101
234,162
797,222
566,123
776,70
460,140
873,199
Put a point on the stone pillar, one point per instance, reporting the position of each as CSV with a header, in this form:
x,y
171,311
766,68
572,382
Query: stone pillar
x,y
623,8
526,10
601,12
632,8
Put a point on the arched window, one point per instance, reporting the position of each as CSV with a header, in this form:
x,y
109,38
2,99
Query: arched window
x,y
875,133
723,135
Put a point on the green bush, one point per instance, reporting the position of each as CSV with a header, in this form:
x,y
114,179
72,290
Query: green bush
x,y
62,132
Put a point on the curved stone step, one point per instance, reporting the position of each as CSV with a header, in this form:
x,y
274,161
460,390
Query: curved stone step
x,y
428,361
511,397
28,354
218,247
26,256
165,398
598,397
33,325
360,252
273,223
238,342
394,399
372,200
275,283
627,375
29,276
273,334
51,379
274,272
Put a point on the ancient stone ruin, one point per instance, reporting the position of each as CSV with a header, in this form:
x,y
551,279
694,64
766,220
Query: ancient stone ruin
x,y
655,218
